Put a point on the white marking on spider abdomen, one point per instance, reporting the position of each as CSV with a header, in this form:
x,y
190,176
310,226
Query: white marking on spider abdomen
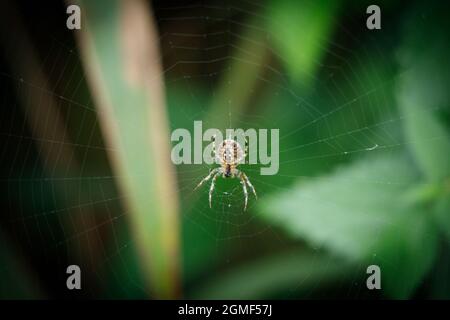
x,y
230,152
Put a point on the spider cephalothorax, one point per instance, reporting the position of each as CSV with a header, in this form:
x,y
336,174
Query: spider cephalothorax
x,y
229,154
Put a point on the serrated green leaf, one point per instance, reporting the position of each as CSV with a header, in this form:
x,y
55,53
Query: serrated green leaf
x,y
346,210
358,212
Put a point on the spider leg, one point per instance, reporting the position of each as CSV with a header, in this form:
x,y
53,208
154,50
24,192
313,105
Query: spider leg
x,y
249,184
214,146
213,172
211,188
245,149
244,187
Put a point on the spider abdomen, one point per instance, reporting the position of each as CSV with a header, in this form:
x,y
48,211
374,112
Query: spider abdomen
x,y
230,152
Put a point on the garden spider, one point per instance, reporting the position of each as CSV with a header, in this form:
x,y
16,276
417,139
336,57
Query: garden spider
x,y
230,155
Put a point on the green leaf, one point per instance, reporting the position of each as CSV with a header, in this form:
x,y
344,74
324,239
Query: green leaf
x,y
260,279
119,53
300,31
359,213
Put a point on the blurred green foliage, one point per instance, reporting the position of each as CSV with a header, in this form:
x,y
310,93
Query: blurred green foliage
x,y
358,212
365,211
354,206
364,154
376,209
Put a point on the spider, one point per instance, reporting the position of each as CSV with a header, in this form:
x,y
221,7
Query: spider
x,y
230,155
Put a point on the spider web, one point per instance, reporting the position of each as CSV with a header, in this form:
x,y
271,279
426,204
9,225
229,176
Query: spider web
x,y
198,42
